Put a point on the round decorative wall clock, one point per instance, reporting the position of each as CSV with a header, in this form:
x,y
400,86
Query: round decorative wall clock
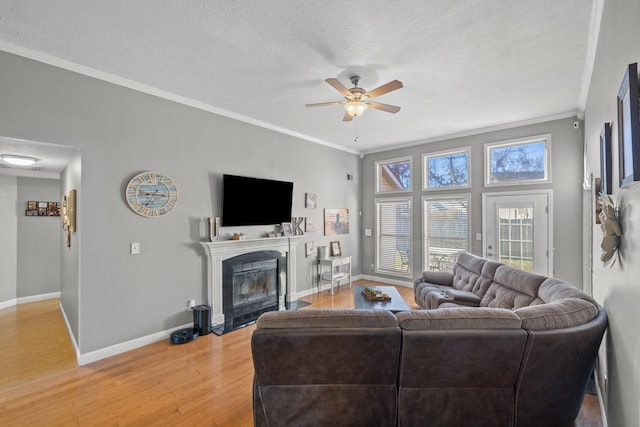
x,y
151,194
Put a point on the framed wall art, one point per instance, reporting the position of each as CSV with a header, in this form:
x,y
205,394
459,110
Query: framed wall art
x,y
605,160
35,208
629,128
336,221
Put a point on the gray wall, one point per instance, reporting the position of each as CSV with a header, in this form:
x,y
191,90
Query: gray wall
x,y
566,167
8,237
617,287
121,132
39,240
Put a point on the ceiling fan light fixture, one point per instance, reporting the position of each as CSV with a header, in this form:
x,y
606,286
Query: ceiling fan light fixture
x,y
16,160
355,108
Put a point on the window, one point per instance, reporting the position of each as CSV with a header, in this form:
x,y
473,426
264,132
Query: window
x,y
446,230
393,234
516,237
446,170
393,175
524,161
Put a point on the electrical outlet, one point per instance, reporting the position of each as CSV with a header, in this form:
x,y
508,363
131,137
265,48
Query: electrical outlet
x,y
135,248
190,304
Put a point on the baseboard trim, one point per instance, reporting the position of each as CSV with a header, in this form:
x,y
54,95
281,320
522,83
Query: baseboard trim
x,y
41,297
74,343
8,303
103,353
603,411
359,277
312,289
30,298
388,281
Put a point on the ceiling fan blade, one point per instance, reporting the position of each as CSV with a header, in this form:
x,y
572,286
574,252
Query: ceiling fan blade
x,y
322,104
386,88
384,107
347,117
335,83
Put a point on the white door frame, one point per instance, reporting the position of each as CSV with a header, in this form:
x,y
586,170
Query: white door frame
x,y
548,193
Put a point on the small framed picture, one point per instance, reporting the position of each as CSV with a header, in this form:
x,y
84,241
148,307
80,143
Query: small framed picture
x,y
311,200
336,250
287,230
311,225
311,248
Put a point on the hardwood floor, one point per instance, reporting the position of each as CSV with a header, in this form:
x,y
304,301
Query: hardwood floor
x,y
207,382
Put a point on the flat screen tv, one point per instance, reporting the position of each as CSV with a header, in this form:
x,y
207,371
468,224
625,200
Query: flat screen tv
x,y
255,201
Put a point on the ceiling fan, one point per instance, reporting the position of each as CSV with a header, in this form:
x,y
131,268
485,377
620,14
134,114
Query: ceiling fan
x,y
357,100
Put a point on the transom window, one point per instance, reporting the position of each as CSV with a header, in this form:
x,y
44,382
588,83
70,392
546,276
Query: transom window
x,y
393,175
446,170
393,236
446,230
516,162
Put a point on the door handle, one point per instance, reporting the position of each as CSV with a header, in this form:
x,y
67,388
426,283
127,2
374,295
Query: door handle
x,y
489,254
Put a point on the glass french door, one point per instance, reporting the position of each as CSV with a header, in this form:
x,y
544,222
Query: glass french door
x,y
517,230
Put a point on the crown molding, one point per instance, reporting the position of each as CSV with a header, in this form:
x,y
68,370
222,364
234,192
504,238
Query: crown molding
x,y
150,90
480,131
592,47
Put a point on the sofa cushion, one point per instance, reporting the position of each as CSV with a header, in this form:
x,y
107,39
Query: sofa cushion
x,y
467,270
512,289
435,277
563,313
315,318
459,318
554,289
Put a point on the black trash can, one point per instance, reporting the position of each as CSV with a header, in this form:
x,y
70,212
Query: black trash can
x,y
202,319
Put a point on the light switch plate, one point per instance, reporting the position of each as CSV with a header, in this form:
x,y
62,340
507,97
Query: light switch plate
x,y
367,232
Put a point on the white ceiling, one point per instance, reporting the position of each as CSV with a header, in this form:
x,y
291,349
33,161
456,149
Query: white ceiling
x,y
466,65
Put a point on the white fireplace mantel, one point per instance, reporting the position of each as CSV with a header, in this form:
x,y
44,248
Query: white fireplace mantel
x,y
221,250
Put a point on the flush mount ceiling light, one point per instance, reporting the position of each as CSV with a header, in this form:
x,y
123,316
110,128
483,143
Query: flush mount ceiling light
x,y
357,100
16,160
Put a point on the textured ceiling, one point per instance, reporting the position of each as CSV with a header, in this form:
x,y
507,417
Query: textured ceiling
x,y
465,64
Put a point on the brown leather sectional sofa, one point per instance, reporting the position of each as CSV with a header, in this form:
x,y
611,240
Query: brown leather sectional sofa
x,y
521,357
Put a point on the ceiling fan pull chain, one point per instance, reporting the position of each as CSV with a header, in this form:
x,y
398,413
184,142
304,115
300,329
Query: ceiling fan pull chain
x,y
355,125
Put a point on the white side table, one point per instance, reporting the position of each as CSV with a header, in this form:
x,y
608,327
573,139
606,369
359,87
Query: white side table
x,y
334,270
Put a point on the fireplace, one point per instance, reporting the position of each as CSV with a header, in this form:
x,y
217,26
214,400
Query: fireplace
x,y
220,251
251,285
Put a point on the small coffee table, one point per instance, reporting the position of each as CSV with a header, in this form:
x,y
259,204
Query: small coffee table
x,y
396,304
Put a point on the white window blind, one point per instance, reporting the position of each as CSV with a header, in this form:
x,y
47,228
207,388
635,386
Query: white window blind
x,y
393,232
446,229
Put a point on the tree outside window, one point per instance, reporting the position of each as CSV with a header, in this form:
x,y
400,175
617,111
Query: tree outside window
x,y
446,170
394,175
518,162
